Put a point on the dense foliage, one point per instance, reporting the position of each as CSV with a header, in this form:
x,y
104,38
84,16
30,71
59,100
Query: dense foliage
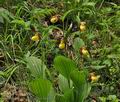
x,y
59,50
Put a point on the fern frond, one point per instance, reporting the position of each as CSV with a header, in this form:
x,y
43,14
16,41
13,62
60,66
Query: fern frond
x,y
38,12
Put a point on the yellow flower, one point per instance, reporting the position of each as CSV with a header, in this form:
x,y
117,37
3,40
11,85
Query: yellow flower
x,y
35,37
82,26
54,19
85,52
95,78
62,44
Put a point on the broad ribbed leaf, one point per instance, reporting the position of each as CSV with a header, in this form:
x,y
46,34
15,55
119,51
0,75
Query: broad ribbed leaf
x,y
59,98
69,96
82,88
66,97
36,66
64,84
64,65
51,95
78,78
41,88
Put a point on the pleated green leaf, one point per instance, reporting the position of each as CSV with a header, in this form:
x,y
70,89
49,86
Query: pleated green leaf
x,y
36,66
68,96
64,65
64,85
81,86
41,88
59,98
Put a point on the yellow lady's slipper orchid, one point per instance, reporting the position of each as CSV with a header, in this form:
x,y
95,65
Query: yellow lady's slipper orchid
x,y
54,19
62,44
35,37
82,26
95,78
85,52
